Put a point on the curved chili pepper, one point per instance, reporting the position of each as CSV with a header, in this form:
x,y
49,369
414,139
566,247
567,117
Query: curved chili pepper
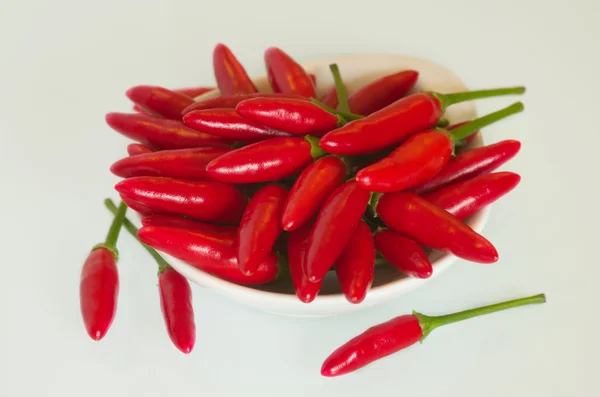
x,y
207,201
401,332
403,253
465,198
337,220
137,148
297,245
230,102
184,223
215,254
286,75
311,189
160,133
231,76
228,124
159,100
382,92
394,123
187,164
355,267
260,227
424,222
264,161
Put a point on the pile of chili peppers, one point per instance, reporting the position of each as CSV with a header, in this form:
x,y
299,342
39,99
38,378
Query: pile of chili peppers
x,y
249,186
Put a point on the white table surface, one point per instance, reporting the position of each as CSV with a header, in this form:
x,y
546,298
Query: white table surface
x,y
64,64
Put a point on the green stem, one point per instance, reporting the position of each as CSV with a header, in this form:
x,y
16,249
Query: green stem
x,y
315,150
443,123
340,88
115,227
457,97
465,130
346,115
162,264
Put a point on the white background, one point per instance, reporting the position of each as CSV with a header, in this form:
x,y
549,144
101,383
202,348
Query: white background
x,y
64,64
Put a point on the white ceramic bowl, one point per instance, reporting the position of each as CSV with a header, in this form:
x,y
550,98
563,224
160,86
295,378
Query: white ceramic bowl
x,y
389,283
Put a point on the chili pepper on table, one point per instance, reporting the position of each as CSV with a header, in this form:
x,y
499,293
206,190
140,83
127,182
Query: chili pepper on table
x,y
297,244
403,253
394,123
99,282
159,100
401,332
231,76
426,223
230,102
206,201
160,133
422,156
382,92
175,295
286,75
137,148
184,223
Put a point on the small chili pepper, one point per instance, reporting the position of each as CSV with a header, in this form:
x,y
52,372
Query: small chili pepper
x,y
159,133
137,206
310,191
465,198
194,91
403,253
335,224
424,222
330,98
231,76
297,244
296,116
422,156
260,227
265,161
394,123
382,92
99,283
471,163
186,164
137,148
159,100
184,223
228,124
401,332
230,102
286,75
215,254
355,267
206,201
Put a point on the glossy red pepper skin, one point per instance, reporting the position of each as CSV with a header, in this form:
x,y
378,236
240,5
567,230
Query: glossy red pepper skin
x,y
231,76
98,292
137,148
228,124
416,161
373,344
465,198
159,100
260,227
194,91
335,225
470,164
297,245
386,127
230,102
355,268
330,98
403,253
382,92
176,306
286,75
264,161
206,201
310,191
208,252
296,116
426,223
137,206
184,223
159,133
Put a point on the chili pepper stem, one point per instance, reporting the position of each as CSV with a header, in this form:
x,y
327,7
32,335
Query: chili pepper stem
x,y
464,131
457,97
342,94
346,115
113,233
429,323
315,150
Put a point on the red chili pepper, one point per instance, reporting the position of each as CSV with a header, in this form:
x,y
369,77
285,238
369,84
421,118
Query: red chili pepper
x,y
159,100
227,124
265,161
313,79
184,223
187,164
160,133
215,254
137,206
296,116
471,163
286,75
403,253
260,227
394,123
335,224
465,198
424,222
401,332
311,189
330,98
139,109
230,102
355,268
231,76
137,148
297,245
382,92
194,91
99,283
206,201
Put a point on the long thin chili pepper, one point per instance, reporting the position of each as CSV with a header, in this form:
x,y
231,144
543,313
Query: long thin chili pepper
x,y
297,245
401,332
137,148
230,102
382,92
184,223
159,100
403,253
231,76
286,75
